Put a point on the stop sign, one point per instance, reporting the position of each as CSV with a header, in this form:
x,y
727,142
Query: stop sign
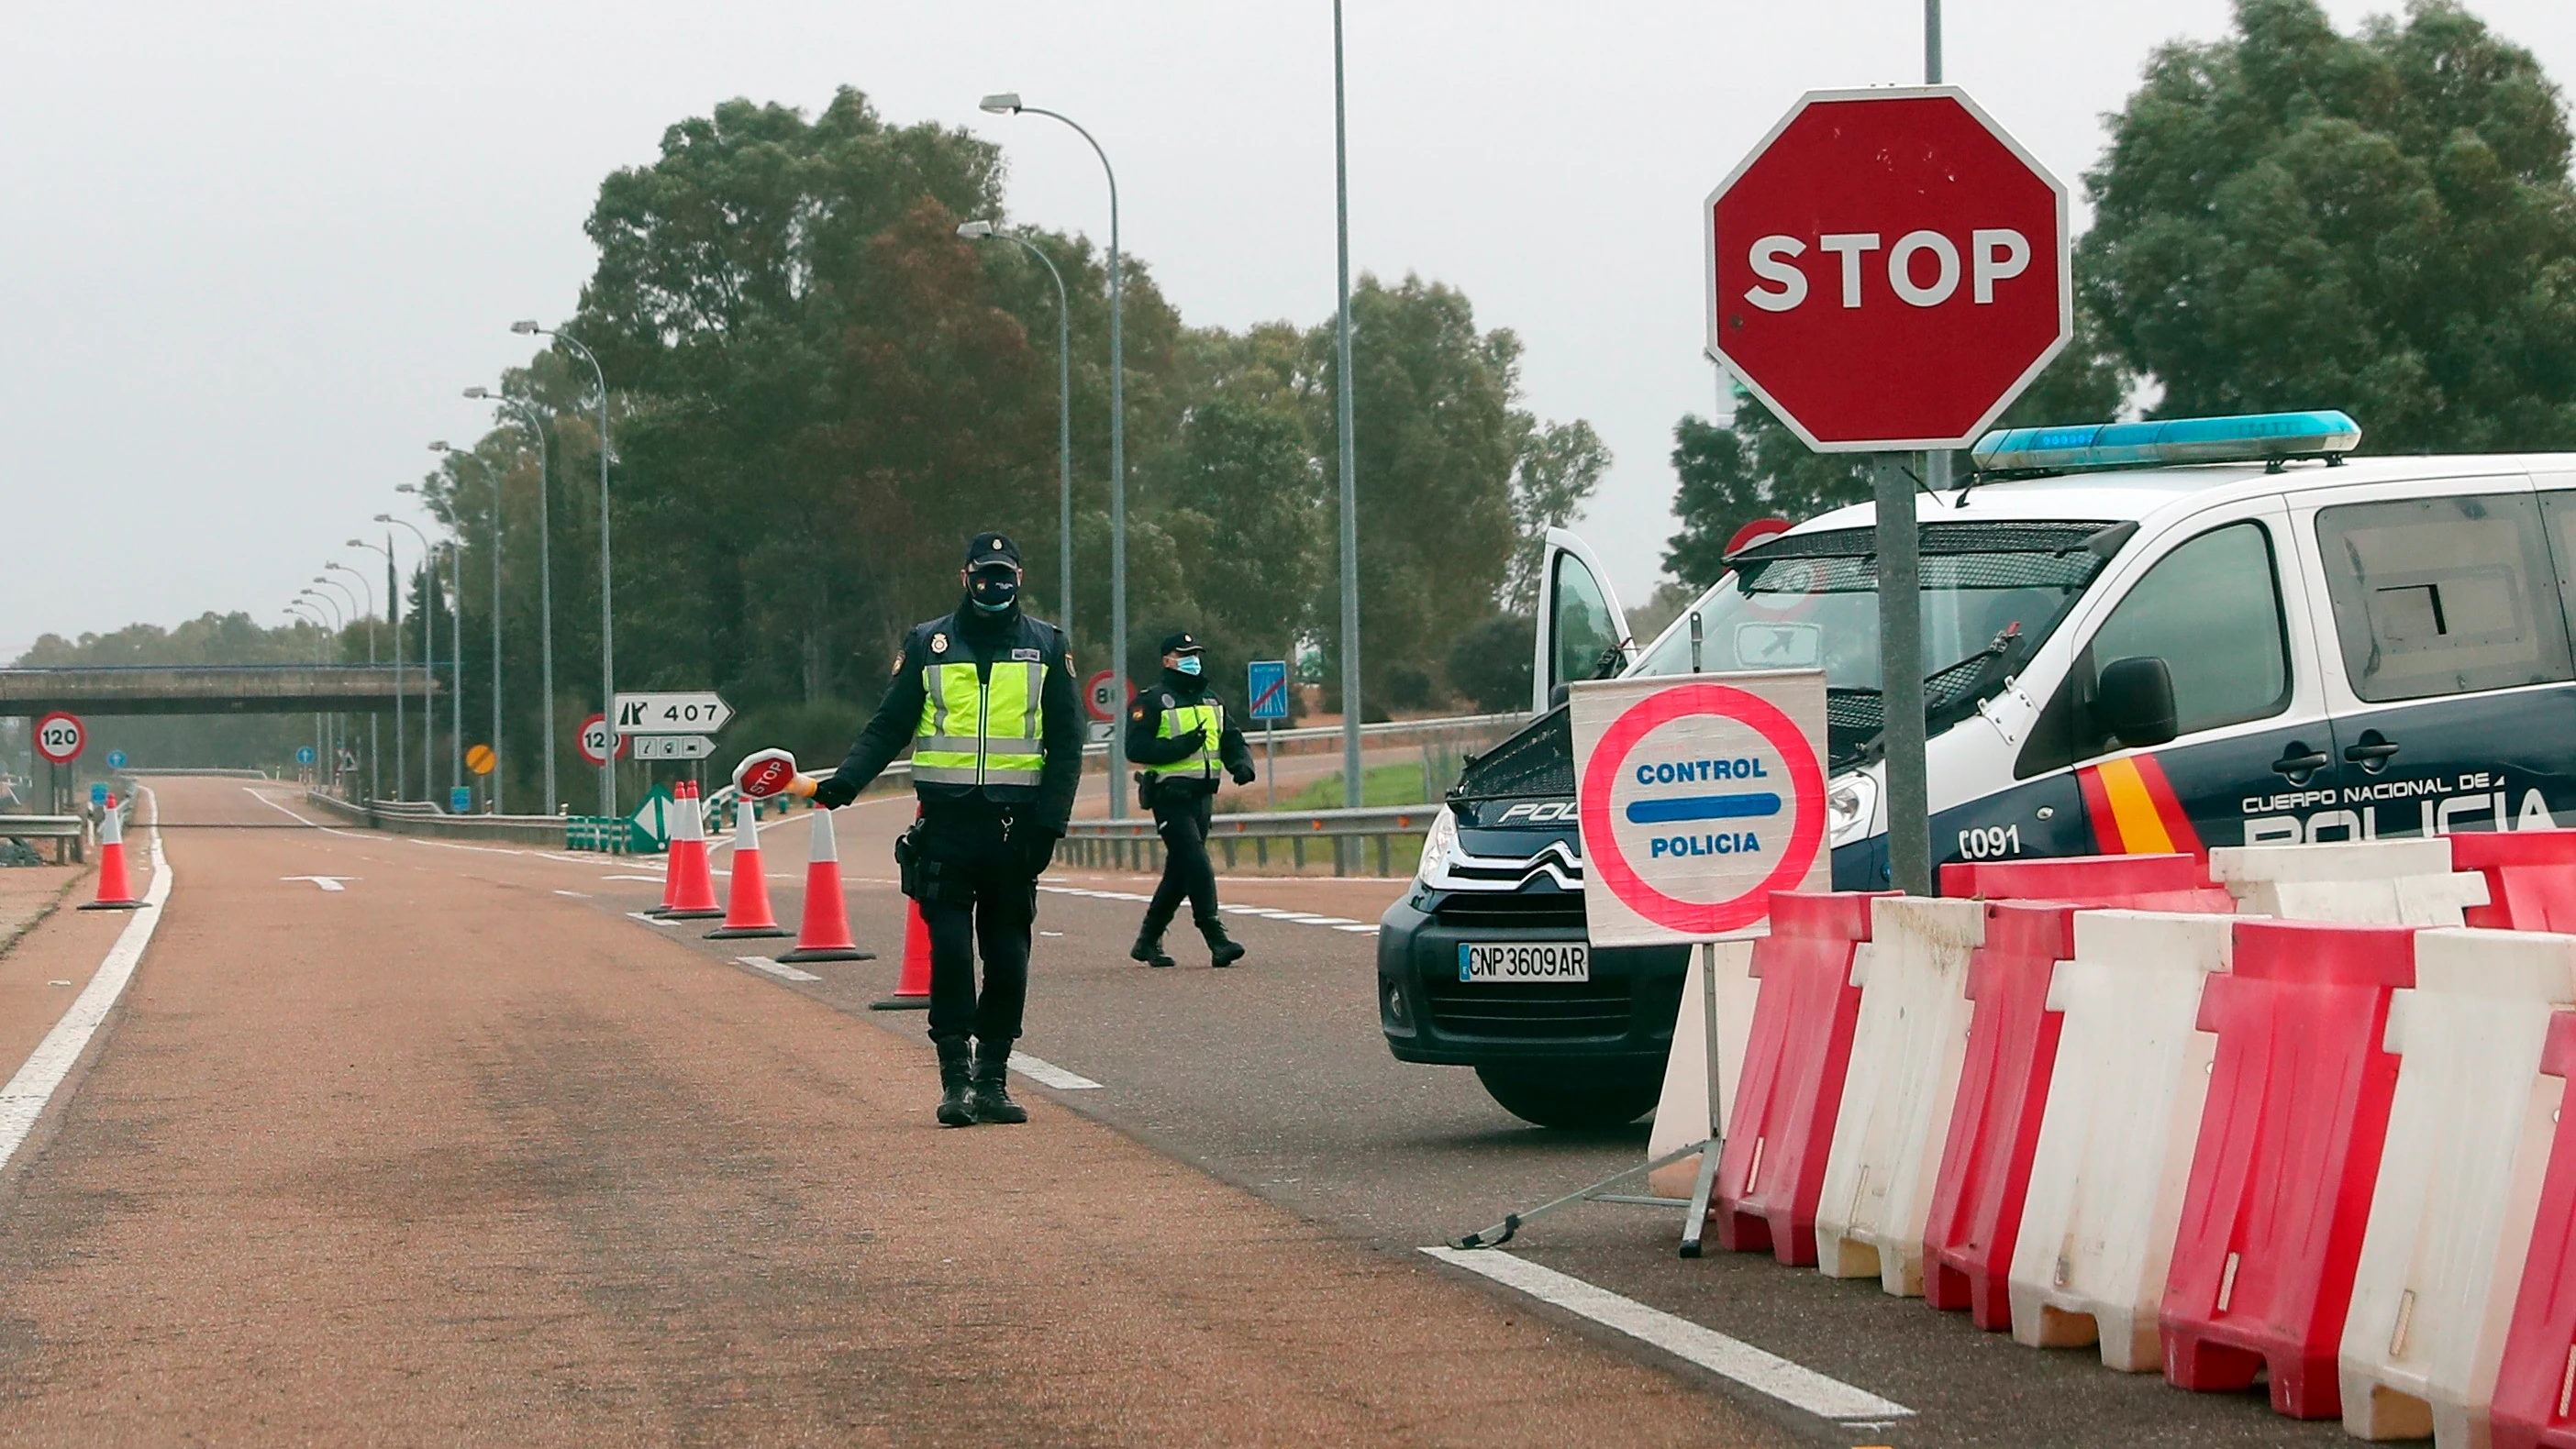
x,y
1889,269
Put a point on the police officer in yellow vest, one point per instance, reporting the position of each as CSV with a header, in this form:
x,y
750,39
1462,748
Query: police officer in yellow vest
x,y
1179,733
985,698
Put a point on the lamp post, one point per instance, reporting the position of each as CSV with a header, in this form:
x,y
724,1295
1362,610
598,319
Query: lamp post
x,y
393,625
545,579
339,721
1353,783
428,648
607,616
307,613
493,475
1007,103
328,756
375,777
980,231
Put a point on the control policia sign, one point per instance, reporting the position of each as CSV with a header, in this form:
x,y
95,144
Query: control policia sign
x,y
1697,798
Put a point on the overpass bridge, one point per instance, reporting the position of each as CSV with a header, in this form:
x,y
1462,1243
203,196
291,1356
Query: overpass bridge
x,y
211,689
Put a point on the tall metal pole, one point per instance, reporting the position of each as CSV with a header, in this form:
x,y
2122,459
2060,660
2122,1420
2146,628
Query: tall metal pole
x,y
375,783
545,580
1117,454
1354,784
607,609
978,231
393,626
495,474
428,648
456,643
1900,620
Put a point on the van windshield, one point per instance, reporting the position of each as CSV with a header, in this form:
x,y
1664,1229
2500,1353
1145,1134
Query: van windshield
x,y
1992,593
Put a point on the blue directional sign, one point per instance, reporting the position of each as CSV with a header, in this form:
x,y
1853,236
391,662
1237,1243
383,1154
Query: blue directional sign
x,y
116,759
1267,687
98,794
460,800
304,754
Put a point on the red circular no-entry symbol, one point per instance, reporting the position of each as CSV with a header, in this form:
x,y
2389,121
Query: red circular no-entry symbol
x,y
1888,269
60,737
1629,736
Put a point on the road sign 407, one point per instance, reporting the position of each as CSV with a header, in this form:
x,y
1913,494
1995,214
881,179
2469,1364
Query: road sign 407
x,y
696,712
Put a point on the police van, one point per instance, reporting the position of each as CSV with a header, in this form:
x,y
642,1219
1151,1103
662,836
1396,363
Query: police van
x,y
2141,637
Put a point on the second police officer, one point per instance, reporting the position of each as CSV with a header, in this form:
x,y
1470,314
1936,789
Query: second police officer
x,y
986,700
1177,731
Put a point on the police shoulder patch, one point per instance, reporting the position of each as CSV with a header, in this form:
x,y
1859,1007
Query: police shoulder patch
x,y
939,643
1137,713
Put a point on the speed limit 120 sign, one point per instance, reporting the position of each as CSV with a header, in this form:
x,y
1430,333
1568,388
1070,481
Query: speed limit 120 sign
x,y
59,737
594,740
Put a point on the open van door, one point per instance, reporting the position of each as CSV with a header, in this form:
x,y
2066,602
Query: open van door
x,y
1582,632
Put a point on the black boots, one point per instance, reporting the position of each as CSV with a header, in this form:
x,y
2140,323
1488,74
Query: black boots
x,y
956,1071
1222,948
992,1086
1149,946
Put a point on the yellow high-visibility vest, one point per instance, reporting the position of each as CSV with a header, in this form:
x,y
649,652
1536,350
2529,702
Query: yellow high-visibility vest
x,y
1207,721
980,731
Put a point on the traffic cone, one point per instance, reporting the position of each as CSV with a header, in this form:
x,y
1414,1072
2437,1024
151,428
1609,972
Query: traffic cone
x,y
671,855
115,888
693,883
747,910
824,934
912,988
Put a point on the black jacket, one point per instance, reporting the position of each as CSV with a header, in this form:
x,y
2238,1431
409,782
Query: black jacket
x,y
1145,720
953,640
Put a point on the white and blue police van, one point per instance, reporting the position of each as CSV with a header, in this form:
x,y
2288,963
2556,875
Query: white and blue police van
x,y
2164,636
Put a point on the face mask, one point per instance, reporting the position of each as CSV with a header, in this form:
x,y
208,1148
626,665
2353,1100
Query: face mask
x,y
994,592
1189,665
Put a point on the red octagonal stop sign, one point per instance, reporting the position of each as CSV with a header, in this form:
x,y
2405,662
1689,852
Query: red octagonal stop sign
x,y
1890,269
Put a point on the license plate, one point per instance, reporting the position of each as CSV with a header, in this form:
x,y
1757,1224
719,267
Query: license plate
x,y
1524,961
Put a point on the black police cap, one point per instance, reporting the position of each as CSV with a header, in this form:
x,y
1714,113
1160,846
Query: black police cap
x,y
1180,643
991,547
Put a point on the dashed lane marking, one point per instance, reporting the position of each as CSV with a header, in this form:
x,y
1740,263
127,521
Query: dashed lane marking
x,y
652,920
1757,1369
23,1100
576,895
326,882
1049,1074
1274,913
783,973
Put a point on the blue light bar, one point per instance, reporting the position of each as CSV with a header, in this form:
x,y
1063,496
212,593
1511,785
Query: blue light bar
x,y
2252,438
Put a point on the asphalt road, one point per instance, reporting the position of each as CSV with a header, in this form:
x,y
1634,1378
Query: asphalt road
x,y
1272,1078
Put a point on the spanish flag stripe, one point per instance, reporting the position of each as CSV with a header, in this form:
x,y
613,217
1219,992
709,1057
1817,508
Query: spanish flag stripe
x,y
2142,827
2097,809
2169,809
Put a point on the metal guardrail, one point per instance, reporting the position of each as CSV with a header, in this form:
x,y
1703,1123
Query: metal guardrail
x,y
419,817
1132,844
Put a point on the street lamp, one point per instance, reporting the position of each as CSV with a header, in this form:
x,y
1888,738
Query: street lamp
x,y
494,475
375,779
428,649
528,414
331,756
607,618
983,230
393,625
307,613
1354,784
1007,103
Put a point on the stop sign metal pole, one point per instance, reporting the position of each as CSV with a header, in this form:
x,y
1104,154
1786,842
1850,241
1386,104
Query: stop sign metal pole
x,y
1900,620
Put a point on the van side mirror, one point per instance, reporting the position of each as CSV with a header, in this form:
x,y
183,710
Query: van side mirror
x,y
1558,696
2134,701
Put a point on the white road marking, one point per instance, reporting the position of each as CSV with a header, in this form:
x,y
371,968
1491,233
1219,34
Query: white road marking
x,y
652,920
1049,1074
23,1100
291,815
1272,913
657,880
783,973
326,882
1763,1372
576,895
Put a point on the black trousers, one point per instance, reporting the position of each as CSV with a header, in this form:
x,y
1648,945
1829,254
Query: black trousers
x,y
1181,816
980,894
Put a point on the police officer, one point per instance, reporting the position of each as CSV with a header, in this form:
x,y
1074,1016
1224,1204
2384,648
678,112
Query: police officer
x,y
986,699
1178,732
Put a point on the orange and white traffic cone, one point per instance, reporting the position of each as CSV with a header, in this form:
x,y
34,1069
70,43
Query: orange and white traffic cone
x,y
671,854
692,883
747,910
824,933
912,988
115,887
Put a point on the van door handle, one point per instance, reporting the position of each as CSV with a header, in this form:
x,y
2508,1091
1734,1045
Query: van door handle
x,y
2298,759
2371,752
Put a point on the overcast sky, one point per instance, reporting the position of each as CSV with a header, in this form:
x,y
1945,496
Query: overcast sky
x,y
249,254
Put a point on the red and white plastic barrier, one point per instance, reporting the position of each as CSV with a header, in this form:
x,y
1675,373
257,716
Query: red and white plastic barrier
x,y
2370,882
2113,1154
2458,1183
2530,875
1908,1044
